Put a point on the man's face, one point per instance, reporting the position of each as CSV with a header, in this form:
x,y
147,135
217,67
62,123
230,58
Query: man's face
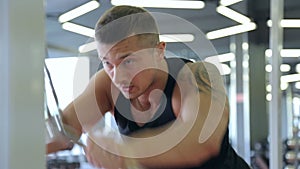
x,y
130,64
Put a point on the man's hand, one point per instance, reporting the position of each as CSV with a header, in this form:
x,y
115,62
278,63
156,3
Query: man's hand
x,y
55,137
59,144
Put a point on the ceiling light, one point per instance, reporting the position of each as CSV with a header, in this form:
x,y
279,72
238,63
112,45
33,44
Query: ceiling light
x,y
225,69
283,68
231,30
285,52
284,86
81,10
268,52
290,78
268,68
290,52
177,37
221,58
245,45
78,29
165,37
287,23
297,85
269,23
233,15
87,47
161,3
298,68
269,97
290,23
269,88
245,64
284,80
229,2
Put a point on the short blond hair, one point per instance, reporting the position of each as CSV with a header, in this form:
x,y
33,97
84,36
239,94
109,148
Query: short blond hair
x,y
120,22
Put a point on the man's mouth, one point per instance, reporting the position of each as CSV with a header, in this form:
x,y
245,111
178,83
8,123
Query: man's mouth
x,y
126,89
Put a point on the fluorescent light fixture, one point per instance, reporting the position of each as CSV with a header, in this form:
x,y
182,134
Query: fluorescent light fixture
x,y
297,85
245,45
245,64
78,29
283,68
225,69
81,10
231,30
285,52
296,100
268,52
268,68
269,23
269,97
161,3
290,23
233,15
298,68
87,47
283,86
165,37
290,78
229,2
177,37
287,23
269,88
221,58
284,80
290,52
193,60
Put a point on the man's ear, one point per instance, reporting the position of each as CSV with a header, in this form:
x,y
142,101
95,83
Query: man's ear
x,y
161,46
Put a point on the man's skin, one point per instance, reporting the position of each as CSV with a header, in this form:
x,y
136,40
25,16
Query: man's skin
x,y
138,71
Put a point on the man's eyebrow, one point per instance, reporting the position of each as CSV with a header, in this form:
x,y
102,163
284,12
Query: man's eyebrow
x,y
121,56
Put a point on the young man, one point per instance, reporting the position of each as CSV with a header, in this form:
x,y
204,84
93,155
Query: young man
x,y
172,113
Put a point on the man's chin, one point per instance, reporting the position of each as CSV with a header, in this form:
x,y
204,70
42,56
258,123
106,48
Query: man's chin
x,y
128,95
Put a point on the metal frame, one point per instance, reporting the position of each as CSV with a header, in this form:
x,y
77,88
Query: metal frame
x,y
275,110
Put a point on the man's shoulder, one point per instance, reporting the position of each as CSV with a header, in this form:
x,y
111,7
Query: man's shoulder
x,y
202,73
200,67
102,75
195,65
101,80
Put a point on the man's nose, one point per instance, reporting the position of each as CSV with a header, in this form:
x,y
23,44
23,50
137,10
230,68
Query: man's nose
x,y
120,75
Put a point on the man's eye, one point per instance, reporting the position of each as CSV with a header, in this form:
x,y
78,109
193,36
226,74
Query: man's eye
x,y
128,61
106,64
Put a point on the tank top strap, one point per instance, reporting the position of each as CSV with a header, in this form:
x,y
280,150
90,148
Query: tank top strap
x,y
122,111
174,66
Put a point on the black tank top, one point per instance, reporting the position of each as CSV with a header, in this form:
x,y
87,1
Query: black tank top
x,y
227,158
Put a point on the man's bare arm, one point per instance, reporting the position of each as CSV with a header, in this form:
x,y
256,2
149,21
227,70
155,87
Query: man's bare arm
x,y
85,111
